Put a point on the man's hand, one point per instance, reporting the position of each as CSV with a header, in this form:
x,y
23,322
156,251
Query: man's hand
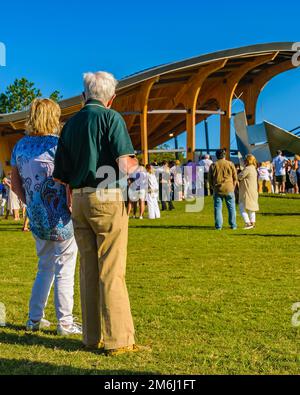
x,y
127,164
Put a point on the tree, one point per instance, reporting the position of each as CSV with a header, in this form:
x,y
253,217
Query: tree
x,y
55,96
20,94
168,156
161,156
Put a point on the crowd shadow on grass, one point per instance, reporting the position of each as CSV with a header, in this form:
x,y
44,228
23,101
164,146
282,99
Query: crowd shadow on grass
x,y
280,214
185,227
11,223
264,235
26,367
11,229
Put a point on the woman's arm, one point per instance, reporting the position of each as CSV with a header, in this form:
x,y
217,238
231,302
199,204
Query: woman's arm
x,y
16,184
243,174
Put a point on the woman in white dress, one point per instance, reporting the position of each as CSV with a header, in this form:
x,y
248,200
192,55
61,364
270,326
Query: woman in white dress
x,y
152,195
13,203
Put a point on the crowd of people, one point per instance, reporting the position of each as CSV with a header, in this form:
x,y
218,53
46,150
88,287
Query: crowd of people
x,y
282,175
55,177
172,181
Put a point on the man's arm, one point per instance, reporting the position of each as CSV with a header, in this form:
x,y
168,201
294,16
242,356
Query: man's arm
x,y
17,185
121,145
127,164
61,163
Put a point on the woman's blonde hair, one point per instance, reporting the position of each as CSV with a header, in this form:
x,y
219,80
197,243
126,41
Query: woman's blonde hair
x,y
43,118
250,160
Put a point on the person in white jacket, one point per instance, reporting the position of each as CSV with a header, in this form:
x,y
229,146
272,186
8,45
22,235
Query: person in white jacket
x,y
152,195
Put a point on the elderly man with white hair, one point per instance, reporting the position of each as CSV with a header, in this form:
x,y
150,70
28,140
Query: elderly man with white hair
x,y
95,143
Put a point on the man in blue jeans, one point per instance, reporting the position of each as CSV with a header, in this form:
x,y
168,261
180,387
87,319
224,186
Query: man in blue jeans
x,y
223,179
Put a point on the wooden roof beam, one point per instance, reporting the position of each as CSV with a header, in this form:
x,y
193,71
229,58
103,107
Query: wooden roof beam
x,y
195,81
225,93
250,91
139,103
230,83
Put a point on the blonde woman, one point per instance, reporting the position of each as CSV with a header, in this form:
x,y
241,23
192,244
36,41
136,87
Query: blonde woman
x,y
50,219
248,192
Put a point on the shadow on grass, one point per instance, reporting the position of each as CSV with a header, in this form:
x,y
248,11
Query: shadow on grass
x,y
69,344
263,235
33,339
185,227
24,366
11,226
17,328
10,223
11,229
280,214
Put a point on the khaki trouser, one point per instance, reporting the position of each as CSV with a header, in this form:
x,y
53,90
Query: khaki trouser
x,y
101,232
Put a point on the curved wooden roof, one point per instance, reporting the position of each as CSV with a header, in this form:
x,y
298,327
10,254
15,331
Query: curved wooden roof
x,y
210,80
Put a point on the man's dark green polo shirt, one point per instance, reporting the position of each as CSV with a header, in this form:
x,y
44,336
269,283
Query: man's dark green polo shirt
x,y
96,136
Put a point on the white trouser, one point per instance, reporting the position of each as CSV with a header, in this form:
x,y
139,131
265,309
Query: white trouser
x,y
57,262
2,206
248,215
153,207
188,189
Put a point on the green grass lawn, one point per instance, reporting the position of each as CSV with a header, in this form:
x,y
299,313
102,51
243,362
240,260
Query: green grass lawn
x,y
207,302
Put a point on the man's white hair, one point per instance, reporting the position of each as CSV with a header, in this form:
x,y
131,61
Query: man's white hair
x,y
100,85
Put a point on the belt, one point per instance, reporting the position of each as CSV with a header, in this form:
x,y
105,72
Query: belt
x,y
94,190
103,195
84,190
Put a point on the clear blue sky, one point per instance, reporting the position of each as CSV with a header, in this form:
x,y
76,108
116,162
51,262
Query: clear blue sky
x,y
53,43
